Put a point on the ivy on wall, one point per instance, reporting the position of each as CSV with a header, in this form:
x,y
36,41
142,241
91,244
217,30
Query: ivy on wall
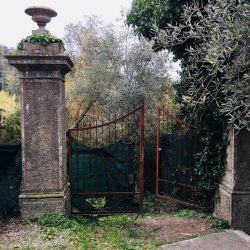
x,y
210,163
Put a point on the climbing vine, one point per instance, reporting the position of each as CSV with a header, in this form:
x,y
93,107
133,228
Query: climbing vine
x,y
210,163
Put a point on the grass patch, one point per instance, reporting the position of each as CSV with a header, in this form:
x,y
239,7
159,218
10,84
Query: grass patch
x,y
110,232
54,220
190,213
49,233
114,232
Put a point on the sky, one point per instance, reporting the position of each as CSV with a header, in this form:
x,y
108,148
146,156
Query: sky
x,y
15,24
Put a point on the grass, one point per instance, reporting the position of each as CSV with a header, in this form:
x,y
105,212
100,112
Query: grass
x,y
191,213
54,220
114,232
111,232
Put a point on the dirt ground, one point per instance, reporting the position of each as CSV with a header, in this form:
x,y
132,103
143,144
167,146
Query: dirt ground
x,y
16,235
171,228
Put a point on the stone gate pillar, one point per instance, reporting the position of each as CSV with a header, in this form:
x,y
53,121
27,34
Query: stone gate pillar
x,y
233,203
43,120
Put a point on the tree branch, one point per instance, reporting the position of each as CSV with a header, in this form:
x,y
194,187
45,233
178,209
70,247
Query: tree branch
x,y
83,114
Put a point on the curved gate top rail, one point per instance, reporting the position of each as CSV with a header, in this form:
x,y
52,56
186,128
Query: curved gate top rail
x,y
116,120
106,165
173,117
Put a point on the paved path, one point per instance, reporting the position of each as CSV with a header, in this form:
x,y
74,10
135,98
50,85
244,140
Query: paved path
x,y
229,240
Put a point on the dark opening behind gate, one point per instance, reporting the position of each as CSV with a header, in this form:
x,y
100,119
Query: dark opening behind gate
x,y
177,144
106,165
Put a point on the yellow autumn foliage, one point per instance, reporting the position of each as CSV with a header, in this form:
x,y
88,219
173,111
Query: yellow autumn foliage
x,y
8,104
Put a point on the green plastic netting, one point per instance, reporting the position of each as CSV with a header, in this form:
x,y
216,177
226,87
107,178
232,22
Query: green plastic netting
x,y
103,169
10,179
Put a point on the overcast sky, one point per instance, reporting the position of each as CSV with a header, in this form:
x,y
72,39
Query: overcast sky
x,y
15,24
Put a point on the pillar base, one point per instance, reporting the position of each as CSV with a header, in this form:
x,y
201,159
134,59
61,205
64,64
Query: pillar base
x,y
233,206
37,204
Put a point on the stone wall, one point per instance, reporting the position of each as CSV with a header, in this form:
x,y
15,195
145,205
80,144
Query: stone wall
x,y
233,202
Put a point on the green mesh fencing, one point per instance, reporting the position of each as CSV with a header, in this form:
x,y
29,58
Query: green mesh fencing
x,y
10,179
177,162
102,170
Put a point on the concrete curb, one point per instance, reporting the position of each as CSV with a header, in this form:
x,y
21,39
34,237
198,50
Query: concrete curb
x,y
227,240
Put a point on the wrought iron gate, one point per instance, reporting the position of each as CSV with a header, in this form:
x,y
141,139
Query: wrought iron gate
x,y
177,143
106,165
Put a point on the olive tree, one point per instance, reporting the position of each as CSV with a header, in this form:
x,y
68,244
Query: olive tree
x,y
115,71
217,70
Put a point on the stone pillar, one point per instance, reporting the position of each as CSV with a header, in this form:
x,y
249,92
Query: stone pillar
x,y
233,203
43,119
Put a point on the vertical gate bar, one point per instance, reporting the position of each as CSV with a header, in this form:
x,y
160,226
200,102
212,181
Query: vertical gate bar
x,y
134,128
162,164
122,124
157,151
92,131
96,131
70,157
134,139
179,176
115,128
190,149
128,125
128,173
77,155
186,156
141,176
102,132
109,129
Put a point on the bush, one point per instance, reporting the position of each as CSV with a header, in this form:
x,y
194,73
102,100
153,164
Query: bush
x,y
10,128
220,223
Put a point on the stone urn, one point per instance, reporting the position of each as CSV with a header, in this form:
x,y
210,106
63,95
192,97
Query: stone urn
x,y
42,16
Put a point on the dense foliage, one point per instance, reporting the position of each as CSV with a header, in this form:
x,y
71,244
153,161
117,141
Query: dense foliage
x,y
147,17
43,39
114,71
217,71
218,75
9,76
10,128
214,86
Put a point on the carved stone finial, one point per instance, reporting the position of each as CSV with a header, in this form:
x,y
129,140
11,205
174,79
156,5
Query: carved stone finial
x,y
42,16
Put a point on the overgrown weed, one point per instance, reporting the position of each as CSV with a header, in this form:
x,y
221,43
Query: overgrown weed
x,y
112,232
219,223
191,213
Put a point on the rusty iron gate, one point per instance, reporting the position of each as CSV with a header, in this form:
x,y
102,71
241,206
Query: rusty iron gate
x,y
177,143
106,165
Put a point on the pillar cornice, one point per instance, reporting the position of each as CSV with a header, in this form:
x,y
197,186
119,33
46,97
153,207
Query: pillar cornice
x,y
46,63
